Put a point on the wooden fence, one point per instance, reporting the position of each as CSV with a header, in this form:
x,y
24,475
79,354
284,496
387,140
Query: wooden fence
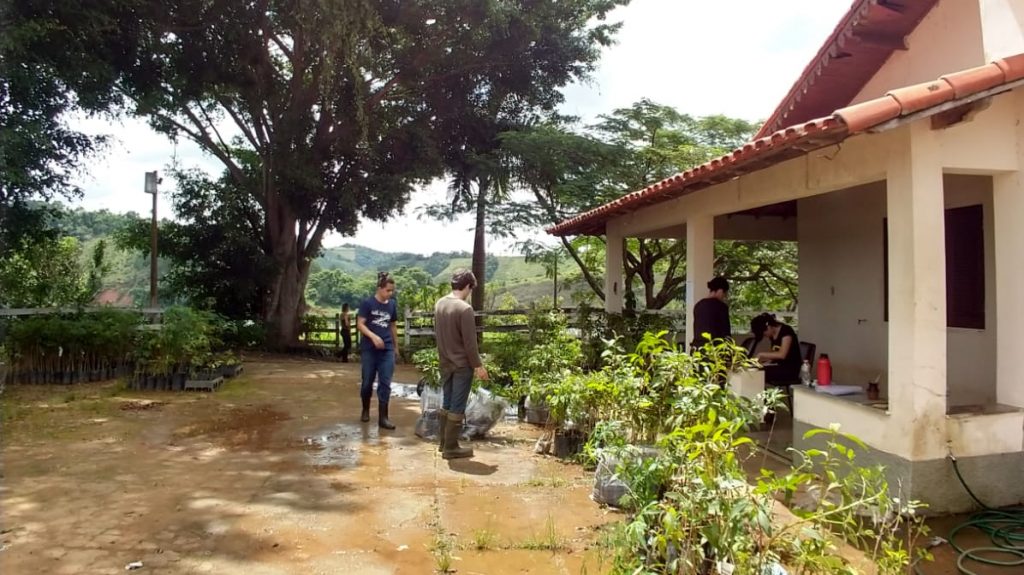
x,y
22,312
420,324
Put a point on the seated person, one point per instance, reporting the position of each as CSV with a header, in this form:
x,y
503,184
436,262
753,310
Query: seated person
x,y
782,363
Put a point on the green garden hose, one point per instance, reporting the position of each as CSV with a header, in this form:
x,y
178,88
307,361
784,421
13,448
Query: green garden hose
x,y
1005,529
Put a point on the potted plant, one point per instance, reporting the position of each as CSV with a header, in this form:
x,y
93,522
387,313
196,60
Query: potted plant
x,y
230,364
203,373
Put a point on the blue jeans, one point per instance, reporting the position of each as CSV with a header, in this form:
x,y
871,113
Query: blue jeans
x,y
455,387
379,363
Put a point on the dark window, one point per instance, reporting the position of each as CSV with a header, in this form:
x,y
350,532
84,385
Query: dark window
x,y
965,267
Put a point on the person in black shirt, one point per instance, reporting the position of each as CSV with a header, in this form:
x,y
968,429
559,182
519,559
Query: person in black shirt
x,y
376,321
711,315
782,363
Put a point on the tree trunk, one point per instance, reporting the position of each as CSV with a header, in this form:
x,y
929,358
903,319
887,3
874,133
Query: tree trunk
x,y
286,301
554,299
480,247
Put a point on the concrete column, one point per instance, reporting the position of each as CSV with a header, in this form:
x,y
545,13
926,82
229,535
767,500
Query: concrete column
x,y
613,288
917,293
700,263
1008,205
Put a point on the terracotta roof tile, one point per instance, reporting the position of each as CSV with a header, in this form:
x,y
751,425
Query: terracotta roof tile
x,y
862,116
1012,67
920,96
974,80
799,139
867,35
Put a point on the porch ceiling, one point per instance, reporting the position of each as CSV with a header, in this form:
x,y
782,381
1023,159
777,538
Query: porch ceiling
x,y
904,104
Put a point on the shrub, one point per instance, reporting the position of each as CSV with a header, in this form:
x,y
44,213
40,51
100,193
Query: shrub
x,y
70,348
693,508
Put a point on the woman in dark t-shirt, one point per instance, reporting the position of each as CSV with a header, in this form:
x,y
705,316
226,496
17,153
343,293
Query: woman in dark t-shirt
x,y
784,359
376,321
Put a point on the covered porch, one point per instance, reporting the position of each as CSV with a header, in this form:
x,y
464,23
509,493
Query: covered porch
x,y
909,216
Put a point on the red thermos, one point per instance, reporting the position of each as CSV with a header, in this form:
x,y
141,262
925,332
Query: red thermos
x,y
824,370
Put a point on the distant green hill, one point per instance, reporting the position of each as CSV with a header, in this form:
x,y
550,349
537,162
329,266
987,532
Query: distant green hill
x,y
128,280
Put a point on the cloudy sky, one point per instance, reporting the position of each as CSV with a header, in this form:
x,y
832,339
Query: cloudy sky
x,y
732,57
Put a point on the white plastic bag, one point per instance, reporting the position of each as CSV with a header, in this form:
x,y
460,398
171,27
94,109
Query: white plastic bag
x,y
429,422
483,412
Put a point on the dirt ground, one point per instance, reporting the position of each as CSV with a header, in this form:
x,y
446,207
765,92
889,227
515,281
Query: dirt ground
x,y
274,474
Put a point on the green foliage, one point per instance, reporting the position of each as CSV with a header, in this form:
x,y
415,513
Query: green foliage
x,y
193,253
333,288
50,273
427,361
553,354
86,225
186,340
242,334
344,106
41,152
597,329
692,508
570,171
764,275
357,260
215,245
70,348
607,436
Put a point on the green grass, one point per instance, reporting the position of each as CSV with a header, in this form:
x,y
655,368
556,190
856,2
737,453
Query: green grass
x,y
547,539
441,548
484,539
516,269
239,386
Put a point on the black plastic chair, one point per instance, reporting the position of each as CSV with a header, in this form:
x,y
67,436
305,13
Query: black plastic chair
x,y
808,351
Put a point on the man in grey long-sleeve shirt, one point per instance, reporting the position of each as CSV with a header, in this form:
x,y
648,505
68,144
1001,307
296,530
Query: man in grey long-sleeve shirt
x,y
457,349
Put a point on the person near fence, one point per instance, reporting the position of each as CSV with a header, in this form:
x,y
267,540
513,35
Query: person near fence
x,y
346,332
459,354
711,314
377,322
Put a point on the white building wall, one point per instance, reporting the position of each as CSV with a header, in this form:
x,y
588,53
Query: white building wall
x,y
842,297
1002,24
948,39
841,284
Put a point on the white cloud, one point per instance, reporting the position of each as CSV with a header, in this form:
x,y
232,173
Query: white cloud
x,y
733,57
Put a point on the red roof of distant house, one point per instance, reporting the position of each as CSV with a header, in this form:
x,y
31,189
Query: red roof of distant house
x,y
869,33
800,139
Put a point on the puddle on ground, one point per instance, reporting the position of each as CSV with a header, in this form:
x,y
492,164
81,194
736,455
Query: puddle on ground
x,y
404,391
250,428
335,447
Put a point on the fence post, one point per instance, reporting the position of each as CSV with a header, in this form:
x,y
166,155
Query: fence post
x,y
408,325
337,331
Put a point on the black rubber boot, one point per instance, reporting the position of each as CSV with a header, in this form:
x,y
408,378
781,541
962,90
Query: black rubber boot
x,y
442,425
452,449
383,420
366,410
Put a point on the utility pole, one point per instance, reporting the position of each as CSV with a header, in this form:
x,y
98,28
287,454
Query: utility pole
x,y
151,188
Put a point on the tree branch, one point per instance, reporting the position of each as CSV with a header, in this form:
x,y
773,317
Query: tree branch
x,y
587,275
382,93
246,131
